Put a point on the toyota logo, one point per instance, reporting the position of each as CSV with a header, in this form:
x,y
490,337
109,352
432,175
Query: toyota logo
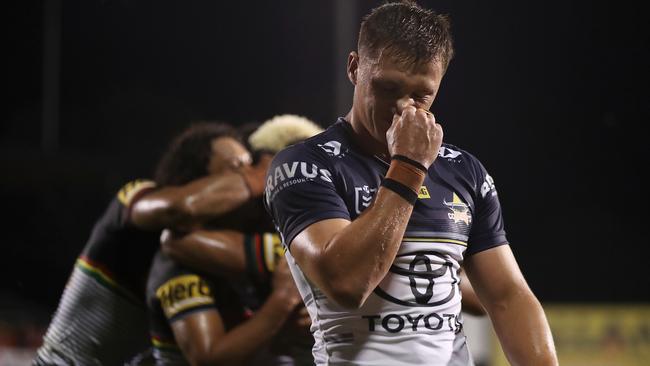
x,y
421,267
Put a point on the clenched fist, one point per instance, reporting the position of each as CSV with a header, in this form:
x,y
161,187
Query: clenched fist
x,y
416,135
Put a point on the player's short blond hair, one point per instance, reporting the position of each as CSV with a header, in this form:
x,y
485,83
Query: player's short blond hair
x,y
281,131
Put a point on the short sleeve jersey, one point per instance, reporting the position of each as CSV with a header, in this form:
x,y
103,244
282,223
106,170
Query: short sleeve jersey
x,y
103,302
413,316
173,292
117,250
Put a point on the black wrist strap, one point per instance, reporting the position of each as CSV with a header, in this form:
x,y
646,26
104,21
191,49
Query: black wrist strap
x,y
401,189
409,161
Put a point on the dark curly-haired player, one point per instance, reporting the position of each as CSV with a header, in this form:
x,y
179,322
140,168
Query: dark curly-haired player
x,y
101,318
199,301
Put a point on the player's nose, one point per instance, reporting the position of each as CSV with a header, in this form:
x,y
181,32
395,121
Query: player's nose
x,y
403,103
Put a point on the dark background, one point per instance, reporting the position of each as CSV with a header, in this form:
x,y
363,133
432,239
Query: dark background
x,y
551,96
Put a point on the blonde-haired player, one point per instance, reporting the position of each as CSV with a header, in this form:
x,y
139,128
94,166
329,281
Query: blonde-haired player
x,y
266,139
281,131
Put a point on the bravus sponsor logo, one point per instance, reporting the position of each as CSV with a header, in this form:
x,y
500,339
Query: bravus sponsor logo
x,y
295,172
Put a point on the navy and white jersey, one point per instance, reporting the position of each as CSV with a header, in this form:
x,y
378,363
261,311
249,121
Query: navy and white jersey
x,y
413,316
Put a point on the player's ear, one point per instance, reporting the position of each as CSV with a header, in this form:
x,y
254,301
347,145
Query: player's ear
x,y
353,66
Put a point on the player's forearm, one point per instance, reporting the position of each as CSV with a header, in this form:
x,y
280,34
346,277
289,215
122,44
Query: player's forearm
x,y
523,330
195,202
244,341
219,253
358,257
213,196
470,302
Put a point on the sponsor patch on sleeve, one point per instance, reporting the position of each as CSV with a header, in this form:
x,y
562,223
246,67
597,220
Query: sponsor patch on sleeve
x,y
131,190
288,174
183,293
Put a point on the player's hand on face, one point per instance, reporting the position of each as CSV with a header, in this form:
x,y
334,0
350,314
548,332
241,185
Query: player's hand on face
x,y
283,284
416,135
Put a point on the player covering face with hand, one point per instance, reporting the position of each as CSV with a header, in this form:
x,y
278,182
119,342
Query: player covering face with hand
x,y
379,214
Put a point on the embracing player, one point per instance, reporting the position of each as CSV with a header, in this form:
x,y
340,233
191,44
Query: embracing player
x,y
101,318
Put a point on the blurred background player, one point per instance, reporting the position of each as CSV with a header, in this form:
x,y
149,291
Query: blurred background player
x,y
230,252
206,323
201,319
101,317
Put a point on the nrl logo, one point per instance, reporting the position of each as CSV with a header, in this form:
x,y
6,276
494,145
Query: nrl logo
x,y
363,197
459,210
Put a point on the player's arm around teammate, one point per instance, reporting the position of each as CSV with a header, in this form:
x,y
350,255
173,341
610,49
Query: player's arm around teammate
x,y
204,340
217,252
202,199
231,253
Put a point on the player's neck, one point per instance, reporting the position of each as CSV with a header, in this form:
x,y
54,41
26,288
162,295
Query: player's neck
x,y
364,139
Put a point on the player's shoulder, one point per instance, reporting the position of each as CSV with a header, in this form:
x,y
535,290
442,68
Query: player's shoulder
x,y
461,162
134,189
453,155
176,289
320,146
116,214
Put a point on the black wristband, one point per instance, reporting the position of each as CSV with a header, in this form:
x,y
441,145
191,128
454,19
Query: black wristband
x,y
401,189
409,161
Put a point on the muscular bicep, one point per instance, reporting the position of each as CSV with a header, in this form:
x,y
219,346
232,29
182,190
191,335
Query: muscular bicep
x,y
495,275
182,207
197,333
309,248
156,209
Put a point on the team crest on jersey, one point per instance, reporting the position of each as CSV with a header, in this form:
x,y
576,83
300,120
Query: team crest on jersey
x,y
459,210
363,197
332,148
